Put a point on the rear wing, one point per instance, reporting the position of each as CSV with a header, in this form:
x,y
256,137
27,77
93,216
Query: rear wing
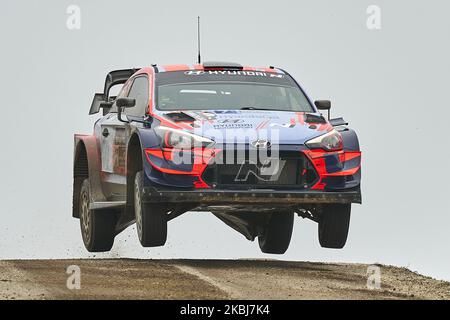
x,y
102,100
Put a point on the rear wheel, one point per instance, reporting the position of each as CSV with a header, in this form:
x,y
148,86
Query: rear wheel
x,y
276,235
97,226
334,222
151,221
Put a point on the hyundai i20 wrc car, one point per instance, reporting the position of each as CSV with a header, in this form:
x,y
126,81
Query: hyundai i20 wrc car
x,y
246,144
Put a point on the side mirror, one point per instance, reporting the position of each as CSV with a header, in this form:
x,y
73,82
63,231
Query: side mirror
x,y
323,104
124,103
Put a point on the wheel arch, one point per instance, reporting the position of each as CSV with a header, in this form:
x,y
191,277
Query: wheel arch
x,y
86,164
134,163
350,139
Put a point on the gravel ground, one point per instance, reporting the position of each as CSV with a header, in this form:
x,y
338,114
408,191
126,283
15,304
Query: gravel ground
x,y
210,279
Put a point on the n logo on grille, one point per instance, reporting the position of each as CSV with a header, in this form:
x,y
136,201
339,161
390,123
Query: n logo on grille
x,y
269,170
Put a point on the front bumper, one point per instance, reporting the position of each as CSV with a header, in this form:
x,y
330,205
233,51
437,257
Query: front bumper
x,y
249,197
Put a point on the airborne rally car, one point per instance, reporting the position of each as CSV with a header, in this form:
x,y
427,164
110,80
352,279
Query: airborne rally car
x,y
246,144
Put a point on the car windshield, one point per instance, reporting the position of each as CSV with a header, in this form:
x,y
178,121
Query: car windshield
x,y
229,90
231,96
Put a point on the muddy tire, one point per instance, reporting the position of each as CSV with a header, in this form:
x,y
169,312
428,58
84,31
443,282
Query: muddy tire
x,y
151,220
334,222
276,236
97,226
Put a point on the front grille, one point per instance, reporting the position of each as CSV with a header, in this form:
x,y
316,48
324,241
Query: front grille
x,y
289,170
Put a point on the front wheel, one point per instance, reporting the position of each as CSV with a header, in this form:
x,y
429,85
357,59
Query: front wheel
x,y
151,220
276,235
334,222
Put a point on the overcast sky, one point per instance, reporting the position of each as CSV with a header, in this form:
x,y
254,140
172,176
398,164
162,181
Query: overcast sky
x,y
391,84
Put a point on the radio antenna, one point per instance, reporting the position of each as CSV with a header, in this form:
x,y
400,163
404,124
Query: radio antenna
x,y
198,40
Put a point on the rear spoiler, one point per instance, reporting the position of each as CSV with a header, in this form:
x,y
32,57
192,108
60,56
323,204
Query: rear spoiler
x,y
101,100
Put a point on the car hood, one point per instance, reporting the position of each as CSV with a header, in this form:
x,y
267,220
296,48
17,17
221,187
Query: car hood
x,y
279,127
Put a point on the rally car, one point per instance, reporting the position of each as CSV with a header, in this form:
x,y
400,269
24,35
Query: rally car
x,y
246,144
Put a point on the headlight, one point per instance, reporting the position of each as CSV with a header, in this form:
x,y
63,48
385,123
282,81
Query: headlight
x,y
331,141
179,139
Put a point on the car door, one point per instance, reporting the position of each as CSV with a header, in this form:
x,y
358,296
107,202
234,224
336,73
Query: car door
x,y
111,134
114,136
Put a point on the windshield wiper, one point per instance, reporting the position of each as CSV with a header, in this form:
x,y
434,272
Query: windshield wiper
x,y
255,108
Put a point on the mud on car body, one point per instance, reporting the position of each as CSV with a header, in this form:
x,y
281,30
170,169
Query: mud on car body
x,y
246,144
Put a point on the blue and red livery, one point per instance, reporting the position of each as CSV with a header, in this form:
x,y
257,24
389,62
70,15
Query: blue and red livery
x,y
246,144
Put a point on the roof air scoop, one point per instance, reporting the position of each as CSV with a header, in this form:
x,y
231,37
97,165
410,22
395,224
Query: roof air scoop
x,y
217,65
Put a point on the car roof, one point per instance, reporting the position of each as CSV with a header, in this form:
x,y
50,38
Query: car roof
x,y
214,66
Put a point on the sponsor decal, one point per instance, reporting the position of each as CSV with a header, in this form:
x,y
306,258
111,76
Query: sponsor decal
x,y
205,115
233,73
282,125
260,114
231,121
225,111
194,73
276,75
233,126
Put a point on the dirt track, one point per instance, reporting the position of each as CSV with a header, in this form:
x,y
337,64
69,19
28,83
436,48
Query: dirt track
x,y
210,279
